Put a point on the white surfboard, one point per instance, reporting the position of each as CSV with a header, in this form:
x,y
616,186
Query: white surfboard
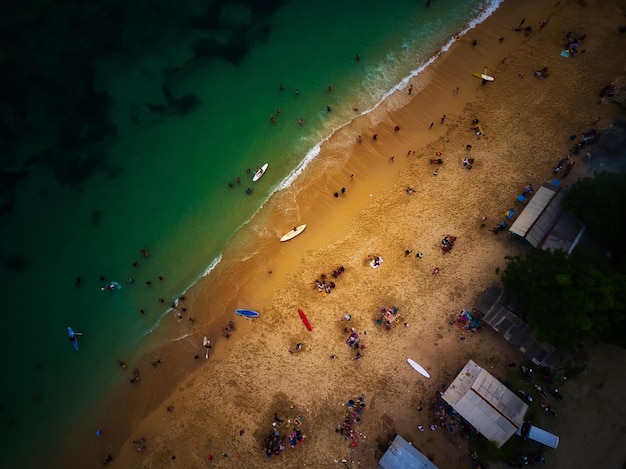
x,y
482,76
293,233
417,367
206,343
260,173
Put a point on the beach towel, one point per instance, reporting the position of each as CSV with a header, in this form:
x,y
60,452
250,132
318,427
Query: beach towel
x,y
564,53
373,262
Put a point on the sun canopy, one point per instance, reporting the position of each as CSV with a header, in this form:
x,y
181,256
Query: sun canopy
x,y
489,406
539,215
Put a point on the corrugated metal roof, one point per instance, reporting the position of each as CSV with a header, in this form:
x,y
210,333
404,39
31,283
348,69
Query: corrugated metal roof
x,y
533,210
500,313
564,235
547,219
489,406
402,455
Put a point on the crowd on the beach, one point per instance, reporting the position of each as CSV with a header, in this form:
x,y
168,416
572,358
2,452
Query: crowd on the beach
x,y
323,285
274,443
354,342
562,168
469,320
228,329
572,45
140,444
447,243
445,417
389,316
352,416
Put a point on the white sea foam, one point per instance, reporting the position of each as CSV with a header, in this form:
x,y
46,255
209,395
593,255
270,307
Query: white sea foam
x,y
373,87
373,82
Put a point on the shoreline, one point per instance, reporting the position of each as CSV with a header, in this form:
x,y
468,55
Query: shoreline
x,y
249,284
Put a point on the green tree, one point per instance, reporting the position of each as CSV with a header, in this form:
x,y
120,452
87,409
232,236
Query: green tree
x,y
598,202
566,298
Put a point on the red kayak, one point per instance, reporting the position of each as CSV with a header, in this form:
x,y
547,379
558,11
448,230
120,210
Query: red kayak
x,y
305,320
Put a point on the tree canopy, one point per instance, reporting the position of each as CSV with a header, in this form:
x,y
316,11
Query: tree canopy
x,y
567,298
598,202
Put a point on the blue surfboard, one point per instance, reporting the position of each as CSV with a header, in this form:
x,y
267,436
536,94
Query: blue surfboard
x,y
73,338
247,313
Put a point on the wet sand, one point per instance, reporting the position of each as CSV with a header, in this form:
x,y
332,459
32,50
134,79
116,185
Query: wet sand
x,y
526,123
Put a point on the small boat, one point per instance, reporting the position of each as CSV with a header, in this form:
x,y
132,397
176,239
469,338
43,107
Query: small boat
x,y
260,172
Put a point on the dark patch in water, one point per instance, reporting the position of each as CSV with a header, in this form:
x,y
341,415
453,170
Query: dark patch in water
x,y
265,8
235,50
7,207
96,217
159,109
186,104
38,157
10,179
48,74
16,263
74,169
114,172
205,48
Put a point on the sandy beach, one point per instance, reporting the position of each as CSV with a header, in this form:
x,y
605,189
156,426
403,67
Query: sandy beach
x,y
225,406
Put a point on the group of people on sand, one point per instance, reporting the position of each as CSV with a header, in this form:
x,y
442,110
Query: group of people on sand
x,y
228,329
541,73
179,310
140,444
136,378
572,44
374,260
354,342
388,316
563,167
469,320
342,190
346,428
325,286
298,348
274,444
447,243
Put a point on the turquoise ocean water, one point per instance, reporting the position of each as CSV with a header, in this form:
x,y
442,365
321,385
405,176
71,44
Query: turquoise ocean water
x,y
132,123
